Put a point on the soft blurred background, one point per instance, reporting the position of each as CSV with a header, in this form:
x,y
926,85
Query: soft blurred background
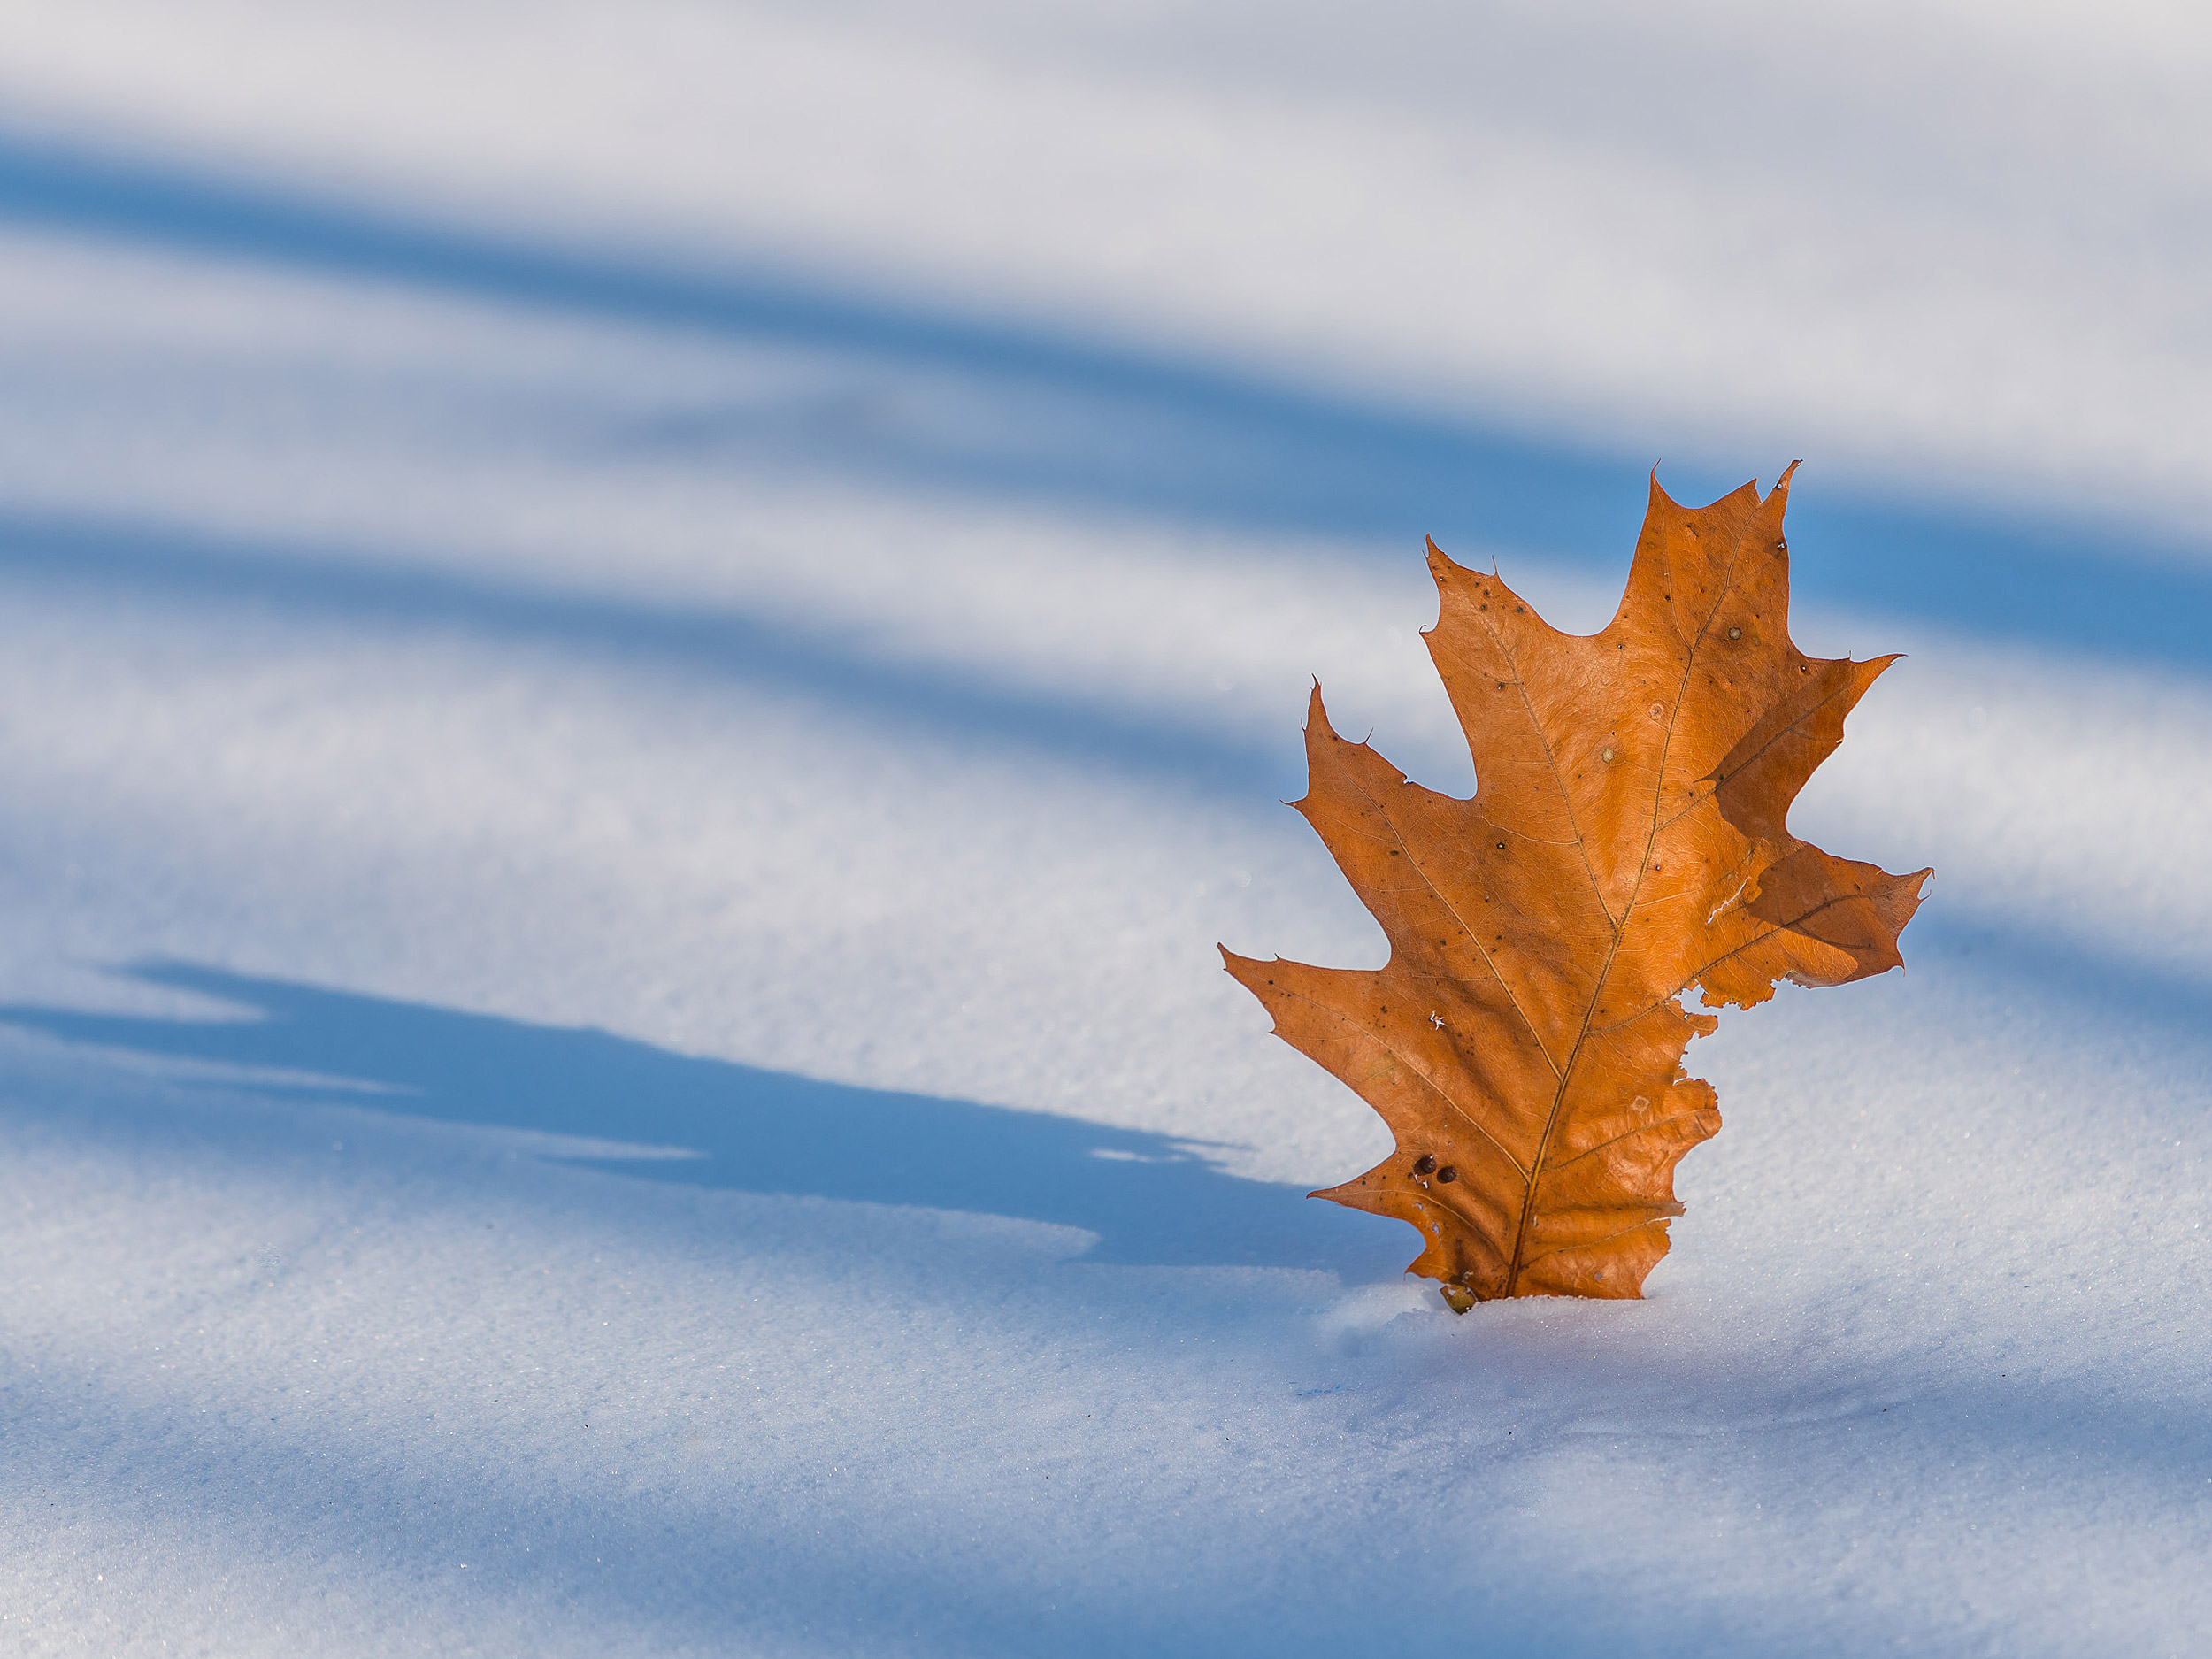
x,y
643,648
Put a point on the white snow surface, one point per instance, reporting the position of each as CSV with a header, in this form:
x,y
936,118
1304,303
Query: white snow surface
x,y
643,649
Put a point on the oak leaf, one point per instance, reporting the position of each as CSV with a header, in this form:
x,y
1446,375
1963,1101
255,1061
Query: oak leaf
x,y
1626,842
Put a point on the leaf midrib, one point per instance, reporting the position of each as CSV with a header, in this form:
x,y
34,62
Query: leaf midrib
x,y
1566,1074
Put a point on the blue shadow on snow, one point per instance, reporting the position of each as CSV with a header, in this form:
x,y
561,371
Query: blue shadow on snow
x,y
1094,424
1152,1200
341,585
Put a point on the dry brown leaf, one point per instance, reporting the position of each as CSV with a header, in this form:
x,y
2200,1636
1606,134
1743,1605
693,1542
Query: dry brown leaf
x,y
1626,841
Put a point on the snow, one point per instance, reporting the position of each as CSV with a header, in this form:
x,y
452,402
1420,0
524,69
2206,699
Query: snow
x,y
644,650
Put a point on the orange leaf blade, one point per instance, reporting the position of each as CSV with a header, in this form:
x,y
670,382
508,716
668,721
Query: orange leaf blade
x,y
1626,842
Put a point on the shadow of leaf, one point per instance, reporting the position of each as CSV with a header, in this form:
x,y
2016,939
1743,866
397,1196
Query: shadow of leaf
x,y
1150,1199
